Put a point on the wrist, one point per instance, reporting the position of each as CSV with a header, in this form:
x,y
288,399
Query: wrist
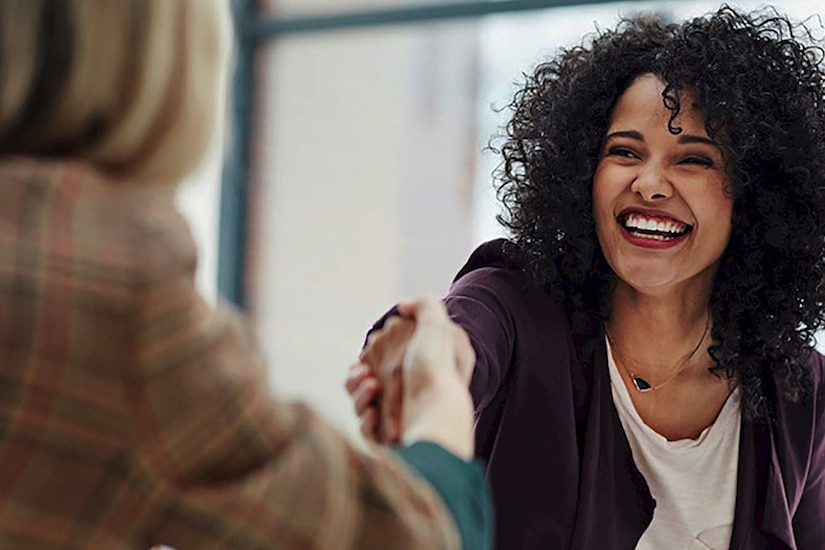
x,y
441,417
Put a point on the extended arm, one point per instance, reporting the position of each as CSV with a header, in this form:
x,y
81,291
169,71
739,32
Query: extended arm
x,y
225,465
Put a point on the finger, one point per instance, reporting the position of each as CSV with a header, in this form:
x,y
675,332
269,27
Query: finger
x,y
397,411
370,340
368,426
388,346
391,400
394,329
365,395
357,373
399,425
397,330
376,341
369,351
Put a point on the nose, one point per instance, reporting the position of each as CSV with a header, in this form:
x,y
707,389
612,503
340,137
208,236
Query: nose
x,y
652,184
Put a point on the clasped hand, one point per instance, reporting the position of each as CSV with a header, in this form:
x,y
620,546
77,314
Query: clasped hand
x,y
410,383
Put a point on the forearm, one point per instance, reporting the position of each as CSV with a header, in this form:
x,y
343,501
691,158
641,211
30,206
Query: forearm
x,y
305,486
237,468
462,487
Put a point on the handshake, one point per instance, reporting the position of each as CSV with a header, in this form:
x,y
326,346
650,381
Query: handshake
x,y
411,381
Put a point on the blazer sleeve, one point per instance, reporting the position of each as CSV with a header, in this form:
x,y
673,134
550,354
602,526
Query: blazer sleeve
x,y
224,465
482,303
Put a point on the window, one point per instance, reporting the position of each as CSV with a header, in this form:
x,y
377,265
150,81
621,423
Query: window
x,y
369,180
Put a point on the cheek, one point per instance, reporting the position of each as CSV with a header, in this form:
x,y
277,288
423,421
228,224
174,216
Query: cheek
x,y
715,211
722,204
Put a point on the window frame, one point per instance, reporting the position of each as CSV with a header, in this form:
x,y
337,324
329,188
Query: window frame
x,y
252,30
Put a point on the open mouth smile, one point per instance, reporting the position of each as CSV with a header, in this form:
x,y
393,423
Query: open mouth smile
x,y
653,229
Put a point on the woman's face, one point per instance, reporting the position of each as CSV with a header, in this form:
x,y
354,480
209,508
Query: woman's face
x,y
660,200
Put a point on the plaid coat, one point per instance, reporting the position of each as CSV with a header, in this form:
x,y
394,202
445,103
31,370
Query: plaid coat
x,y
132,413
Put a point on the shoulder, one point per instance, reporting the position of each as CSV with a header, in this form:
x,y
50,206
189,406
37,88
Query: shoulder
x,y
494,275
66,213
492,265
498,253
492,290
146,233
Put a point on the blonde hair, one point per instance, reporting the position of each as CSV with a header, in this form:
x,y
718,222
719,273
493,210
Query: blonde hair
x,y
131,86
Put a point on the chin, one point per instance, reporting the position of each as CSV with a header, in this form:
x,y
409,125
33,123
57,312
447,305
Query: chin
x,y
648,283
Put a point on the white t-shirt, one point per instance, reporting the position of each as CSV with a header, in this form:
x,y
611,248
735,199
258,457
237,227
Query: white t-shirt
x,y
692,480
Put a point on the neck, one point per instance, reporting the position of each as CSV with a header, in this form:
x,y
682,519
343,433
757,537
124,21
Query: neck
x,y
659,331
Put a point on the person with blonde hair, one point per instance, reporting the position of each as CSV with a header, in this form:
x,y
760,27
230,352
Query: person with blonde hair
x,y
132,412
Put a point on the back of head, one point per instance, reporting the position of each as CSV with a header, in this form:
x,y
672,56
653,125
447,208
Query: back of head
x,y
130,86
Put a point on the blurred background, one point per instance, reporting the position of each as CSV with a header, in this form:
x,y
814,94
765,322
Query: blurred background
x,y
352,169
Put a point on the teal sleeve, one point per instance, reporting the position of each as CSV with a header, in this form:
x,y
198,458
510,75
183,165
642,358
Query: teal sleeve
x,y
461,486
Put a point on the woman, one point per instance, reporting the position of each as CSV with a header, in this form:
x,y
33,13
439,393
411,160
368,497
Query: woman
x,y
132,413
644,375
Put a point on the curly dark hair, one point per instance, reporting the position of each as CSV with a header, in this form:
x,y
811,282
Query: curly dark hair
x,y
759,81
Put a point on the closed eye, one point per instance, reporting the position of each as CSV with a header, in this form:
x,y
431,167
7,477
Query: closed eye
x,y
622,152
701,161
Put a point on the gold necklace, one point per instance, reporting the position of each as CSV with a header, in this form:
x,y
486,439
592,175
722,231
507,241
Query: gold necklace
x,y
640,383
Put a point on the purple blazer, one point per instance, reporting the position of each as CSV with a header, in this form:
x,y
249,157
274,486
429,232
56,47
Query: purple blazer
x,y
558,462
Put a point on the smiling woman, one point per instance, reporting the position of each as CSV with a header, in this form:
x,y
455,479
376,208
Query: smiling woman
x,y
644,374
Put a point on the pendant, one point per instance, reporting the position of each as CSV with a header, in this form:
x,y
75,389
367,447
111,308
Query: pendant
x,y
641,384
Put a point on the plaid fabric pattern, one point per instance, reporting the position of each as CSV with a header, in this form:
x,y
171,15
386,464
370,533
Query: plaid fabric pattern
x,y
132,413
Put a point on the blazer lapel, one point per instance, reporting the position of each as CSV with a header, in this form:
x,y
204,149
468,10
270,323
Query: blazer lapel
x,y
615,506
761,518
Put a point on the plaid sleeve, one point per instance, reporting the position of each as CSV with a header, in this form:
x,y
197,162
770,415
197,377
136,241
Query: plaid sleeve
x,y
462,488
233,468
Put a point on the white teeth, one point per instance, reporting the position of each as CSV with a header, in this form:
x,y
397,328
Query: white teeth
x,y
657,237
636,221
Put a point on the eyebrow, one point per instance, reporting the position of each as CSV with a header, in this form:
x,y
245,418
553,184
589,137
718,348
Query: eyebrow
x,y
684,139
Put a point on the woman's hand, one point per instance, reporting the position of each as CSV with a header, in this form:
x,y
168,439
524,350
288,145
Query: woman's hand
x,y
411,382
362,386
376,382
